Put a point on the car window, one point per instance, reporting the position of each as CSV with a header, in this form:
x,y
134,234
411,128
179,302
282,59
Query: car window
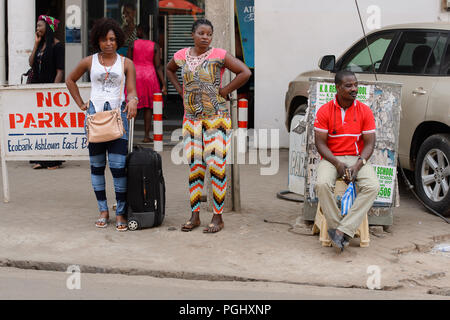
x,y
412,52
357,58
434,61
445,68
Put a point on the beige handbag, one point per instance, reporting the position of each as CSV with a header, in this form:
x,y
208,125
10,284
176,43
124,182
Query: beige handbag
x,y
106,125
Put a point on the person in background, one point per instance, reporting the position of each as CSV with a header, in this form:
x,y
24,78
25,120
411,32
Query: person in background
x,y
128,27
109,72
207,121
145,55
47,64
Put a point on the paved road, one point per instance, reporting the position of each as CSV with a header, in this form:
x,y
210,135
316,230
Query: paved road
x,y
31,284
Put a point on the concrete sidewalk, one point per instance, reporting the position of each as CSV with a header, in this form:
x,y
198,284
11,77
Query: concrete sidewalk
x,y
49,224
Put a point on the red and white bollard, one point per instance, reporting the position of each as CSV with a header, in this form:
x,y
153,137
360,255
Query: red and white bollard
x,y
243,113
242,125
158,122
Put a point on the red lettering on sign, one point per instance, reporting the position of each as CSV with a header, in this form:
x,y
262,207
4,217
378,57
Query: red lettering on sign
x,y
29,121
73,120
45,122
81,117
40,99
57,101
59,120
12,120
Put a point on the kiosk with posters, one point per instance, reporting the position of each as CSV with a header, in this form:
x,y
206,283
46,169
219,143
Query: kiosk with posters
x,y
384,100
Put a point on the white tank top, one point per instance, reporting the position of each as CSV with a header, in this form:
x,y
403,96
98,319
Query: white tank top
x,y
107,87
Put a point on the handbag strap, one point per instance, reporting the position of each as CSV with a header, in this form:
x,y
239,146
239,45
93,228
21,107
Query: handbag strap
x,y
122,82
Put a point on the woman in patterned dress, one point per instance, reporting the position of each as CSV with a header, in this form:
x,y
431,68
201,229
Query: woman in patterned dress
x,y
207,122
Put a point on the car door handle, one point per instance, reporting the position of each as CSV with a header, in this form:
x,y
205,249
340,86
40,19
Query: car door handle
x,y
419,90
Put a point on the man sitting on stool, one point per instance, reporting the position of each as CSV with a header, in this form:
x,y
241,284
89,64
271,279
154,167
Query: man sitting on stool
x,y
345,138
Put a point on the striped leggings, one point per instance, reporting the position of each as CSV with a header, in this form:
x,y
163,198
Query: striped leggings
x,y
117,151
206,143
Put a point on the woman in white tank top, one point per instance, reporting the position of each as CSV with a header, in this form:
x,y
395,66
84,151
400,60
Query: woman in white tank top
x,y
107,70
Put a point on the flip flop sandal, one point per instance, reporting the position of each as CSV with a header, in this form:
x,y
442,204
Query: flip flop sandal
x,y
212,225
101,223
121,226
191,227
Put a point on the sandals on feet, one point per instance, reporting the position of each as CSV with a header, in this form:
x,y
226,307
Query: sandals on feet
x,y
121,226
101,223
189,226
211,227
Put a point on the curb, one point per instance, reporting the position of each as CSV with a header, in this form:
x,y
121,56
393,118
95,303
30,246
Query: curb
x,y
63,267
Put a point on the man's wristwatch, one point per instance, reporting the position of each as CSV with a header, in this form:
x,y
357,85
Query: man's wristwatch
x,y
364,161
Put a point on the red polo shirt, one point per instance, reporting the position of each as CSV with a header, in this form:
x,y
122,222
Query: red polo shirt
x,y
345,127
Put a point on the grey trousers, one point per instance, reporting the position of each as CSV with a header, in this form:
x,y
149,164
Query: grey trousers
x,y
367,186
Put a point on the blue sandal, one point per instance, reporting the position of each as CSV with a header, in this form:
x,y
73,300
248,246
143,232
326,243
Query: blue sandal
x,y
121,226
101,223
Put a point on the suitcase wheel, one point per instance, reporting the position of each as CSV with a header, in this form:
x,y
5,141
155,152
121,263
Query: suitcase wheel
x,y
133,225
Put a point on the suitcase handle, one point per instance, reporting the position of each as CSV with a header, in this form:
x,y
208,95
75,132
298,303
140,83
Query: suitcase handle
x,y
145,192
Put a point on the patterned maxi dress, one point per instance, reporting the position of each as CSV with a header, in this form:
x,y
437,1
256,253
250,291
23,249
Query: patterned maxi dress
x,y
146,78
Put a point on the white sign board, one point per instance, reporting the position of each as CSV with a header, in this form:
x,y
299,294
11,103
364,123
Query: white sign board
x,y
41,122
386,177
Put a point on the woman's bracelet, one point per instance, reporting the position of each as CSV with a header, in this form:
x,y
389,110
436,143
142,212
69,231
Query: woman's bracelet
x,y
133,97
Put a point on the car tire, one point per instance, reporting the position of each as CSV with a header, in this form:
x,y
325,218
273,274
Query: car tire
x,y
299,110
432,173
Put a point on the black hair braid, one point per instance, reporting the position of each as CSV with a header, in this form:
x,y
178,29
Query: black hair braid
x,y
199,22
48,39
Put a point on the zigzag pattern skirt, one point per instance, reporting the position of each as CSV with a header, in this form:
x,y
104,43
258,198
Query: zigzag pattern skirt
x,y
206,144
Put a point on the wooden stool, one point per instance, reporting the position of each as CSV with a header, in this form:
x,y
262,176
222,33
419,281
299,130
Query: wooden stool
x,y
320,223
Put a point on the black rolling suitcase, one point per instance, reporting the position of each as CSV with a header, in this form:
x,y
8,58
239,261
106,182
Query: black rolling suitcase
x,y
146,194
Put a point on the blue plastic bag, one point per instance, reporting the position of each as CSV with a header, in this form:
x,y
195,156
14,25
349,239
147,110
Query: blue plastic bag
x,y
348,198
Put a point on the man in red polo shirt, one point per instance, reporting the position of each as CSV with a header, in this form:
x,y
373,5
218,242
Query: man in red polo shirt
x,y
345,138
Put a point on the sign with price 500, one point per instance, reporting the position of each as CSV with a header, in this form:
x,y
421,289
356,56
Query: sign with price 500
x,y
386,176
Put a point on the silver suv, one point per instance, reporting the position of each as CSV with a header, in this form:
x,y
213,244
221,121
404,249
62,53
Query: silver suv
x,y
418,56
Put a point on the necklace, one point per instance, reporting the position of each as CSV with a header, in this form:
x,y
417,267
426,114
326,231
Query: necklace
x,y
104,66
194,61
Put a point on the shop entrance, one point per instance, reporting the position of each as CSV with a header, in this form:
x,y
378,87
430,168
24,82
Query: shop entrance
x,y
129,14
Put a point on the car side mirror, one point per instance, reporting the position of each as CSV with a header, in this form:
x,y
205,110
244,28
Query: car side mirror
x,y
327,63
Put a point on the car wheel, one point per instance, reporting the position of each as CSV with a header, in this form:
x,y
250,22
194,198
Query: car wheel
x,y
133,225
299,110
432,174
